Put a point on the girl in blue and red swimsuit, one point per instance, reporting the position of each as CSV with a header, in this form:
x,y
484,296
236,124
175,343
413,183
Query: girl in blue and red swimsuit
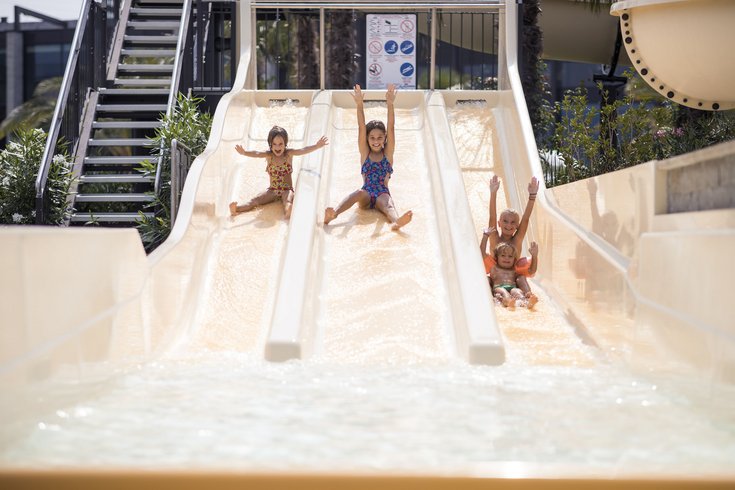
x,y
376,154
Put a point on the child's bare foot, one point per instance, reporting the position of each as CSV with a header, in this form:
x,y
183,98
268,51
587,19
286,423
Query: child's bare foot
x,y
233,208
329,215
531,299
403,220
505,300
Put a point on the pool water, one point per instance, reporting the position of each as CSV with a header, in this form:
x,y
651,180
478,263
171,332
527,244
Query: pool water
x,y
232,410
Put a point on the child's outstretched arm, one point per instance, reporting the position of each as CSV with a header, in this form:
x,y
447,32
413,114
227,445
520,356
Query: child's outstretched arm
x,y
533,250
323,141
390,129
362,143
523,225
493,211
483,241
250,153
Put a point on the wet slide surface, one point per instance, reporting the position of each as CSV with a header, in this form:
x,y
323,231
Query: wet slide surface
x,y
236,306
383,296
532,336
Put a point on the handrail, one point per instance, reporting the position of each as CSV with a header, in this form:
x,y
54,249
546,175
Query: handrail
x,y
175,76
64,91
387,5
178,174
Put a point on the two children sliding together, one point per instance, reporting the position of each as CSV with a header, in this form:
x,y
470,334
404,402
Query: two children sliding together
x,y
508,274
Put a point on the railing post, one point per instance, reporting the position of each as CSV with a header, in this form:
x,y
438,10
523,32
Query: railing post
x,y
174,180
432,65
322,52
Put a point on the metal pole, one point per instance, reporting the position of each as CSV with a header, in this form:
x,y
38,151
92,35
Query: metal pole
x,y
432,65
254,49
322,53
175,177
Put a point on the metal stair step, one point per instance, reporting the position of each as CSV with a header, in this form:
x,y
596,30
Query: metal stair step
x,y
139,67
131,107
154,24
126,124
120,142
174,2
150,39
116,178
133,91
107,217
122,197
152,53
155,12
158,82
116,160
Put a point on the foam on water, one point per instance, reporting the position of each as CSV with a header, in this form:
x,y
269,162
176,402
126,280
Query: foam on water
x,y
232,410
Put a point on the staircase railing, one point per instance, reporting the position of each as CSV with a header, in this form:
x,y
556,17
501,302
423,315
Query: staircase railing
x,y
181,159
89,49
183,44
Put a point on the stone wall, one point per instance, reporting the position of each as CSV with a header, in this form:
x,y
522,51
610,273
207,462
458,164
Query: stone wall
x,y
702,180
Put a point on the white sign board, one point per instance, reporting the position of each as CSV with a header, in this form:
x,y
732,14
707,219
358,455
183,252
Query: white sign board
x,y
391,51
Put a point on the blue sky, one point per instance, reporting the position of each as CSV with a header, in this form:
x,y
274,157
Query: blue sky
x,y
60,9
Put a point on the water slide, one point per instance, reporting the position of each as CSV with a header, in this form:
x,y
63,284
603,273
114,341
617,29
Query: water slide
x,y
356,297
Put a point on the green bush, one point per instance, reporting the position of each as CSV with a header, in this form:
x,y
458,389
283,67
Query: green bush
x,y
640,127
19,164
189,126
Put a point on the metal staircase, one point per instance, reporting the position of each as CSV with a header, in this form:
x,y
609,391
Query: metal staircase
x,y
121,116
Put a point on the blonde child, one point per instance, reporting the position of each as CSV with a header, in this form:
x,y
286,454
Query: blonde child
x,y
376,145
508,286
510,227
279,165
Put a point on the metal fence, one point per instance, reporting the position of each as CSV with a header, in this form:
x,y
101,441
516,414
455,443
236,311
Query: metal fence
x,y
323,45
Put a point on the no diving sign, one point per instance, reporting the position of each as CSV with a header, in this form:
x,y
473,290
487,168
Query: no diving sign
x,y
391,51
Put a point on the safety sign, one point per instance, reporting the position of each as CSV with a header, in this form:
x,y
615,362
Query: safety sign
x,y
391,50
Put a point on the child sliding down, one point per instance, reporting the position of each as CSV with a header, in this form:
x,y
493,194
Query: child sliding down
x,y
508,286
509,229
376,145
279,165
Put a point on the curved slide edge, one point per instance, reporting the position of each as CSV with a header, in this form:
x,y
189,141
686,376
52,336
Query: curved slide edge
x,y
127,298
476,331
293,319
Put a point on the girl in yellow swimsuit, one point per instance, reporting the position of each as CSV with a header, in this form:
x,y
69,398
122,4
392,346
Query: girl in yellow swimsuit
x,y
279,165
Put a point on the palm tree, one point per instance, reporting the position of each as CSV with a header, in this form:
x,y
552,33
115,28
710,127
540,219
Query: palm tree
x,y
340,46
597,5
37,111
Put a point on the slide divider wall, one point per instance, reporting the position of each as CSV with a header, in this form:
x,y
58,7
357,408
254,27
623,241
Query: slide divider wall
x,y
296,306
476,331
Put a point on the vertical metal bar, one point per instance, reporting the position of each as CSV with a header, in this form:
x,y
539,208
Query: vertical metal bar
x,y
502,61
432,65
222,49
322,52
174,180
254,47
278,48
